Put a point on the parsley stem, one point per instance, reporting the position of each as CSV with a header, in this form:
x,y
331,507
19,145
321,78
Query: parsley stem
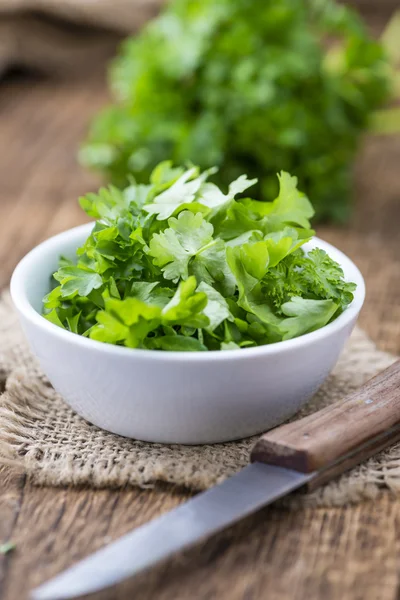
x,y
206,247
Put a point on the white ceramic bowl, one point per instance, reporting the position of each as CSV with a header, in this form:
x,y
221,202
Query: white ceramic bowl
x,y
176,397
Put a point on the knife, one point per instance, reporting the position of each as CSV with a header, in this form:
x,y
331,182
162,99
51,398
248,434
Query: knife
x,y
302,454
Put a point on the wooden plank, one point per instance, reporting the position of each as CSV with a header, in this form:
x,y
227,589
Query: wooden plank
x,y
70,523
40,179
332,554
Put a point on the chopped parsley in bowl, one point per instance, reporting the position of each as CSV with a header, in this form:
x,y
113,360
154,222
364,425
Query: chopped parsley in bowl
x,y
181,265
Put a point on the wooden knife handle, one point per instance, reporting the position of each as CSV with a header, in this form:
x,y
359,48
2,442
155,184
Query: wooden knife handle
x,y
339,436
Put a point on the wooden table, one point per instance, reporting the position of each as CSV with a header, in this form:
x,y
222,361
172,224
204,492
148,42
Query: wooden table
x,y
345,553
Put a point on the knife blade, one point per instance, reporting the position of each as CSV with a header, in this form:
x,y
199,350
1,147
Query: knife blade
x,y
205,514
307,452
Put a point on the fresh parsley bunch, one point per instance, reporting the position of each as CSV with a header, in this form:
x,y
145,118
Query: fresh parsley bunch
x,y
177,264
253,87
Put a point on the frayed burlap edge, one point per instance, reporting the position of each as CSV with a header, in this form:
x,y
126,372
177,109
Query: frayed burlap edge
x,y
42,437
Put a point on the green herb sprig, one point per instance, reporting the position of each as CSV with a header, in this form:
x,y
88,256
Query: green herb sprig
x,y
251,87
7,547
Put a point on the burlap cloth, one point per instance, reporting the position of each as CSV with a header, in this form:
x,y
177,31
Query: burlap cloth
x,y
42,436
66,37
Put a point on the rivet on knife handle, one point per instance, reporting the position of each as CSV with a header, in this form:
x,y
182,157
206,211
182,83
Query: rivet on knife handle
x,y
339,436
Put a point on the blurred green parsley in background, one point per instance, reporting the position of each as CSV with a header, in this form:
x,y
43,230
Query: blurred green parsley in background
x,y
252,87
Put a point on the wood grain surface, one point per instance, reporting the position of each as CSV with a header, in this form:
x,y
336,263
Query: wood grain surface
x,y
338,554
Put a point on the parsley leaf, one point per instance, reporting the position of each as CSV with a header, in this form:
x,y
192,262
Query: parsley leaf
x,y
181,192
186,236
7,547
216,309
305,315
291,206
186,306
77,280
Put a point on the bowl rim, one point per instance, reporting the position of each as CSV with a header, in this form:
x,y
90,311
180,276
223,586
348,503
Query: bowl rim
x,y
24,307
